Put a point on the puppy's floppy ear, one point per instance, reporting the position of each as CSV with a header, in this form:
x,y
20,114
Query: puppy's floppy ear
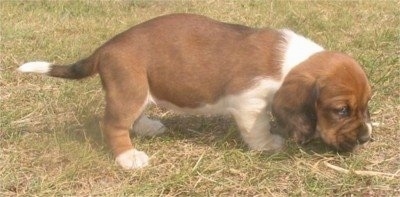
x,y
293,107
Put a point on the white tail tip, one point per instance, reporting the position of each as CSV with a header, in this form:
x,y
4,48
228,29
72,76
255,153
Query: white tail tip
x,y
35,67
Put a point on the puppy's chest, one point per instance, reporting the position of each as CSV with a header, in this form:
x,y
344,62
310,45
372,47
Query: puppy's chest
x,y
256,97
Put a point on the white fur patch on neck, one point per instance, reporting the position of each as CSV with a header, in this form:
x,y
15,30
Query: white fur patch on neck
x,y
296,49
35,67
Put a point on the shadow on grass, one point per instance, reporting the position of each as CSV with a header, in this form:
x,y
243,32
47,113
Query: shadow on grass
x,y
219,132
88,131
203,130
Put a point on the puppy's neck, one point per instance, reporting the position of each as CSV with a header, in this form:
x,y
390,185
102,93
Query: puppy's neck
x,y
296,49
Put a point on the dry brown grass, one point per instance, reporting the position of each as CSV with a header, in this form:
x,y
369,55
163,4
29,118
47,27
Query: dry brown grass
x,y
50,141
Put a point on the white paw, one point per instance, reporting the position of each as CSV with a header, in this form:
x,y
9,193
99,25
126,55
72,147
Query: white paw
x,y
273,143
147,127
276,143
132,159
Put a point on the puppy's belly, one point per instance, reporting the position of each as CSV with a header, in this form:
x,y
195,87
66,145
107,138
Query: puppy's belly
x,y
253,99
220,107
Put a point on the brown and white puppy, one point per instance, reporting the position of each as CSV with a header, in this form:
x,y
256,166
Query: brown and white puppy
x,y
194,64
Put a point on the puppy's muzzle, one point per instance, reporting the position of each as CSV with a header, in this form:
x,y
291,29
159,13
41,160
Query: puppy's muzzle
x,y
365,132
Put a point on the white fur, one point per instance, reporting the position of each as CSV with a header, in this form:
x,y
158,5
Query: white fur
x,y
249,109
297,49
369,126
35,67
147,127
263,90
250,112
220,107
132,159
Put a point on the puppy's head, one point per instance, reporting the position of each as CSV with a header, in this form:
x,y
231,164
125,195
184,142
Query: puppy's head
x,y
326,96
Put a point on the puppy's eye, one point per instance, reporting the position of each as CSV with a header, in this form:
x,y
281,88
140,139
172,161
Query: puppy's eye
x,y
343,111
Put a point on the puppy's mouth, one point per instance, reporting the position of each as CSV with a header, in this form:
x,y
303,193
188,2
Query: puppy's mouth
x,y
345,143
346,146
350,145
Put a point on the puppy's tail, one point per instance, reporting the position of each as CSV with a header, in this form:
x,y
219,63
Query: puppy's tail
x,y
78,70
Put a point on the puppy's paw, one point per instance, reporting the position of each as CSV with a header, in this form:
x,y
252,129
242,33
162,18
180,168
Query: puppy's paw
x,y
132,159
147,127
274,143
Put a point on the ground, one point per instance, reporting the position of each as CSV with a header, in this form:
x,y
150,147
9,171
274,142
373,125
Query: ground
x,y
50,137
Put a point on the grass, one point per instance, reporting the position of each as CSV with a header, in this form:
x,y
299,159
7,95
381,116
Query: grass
x,y
50,140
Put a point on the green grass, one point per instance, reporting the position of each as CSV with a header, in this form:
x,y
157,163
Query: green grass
x,y
50,140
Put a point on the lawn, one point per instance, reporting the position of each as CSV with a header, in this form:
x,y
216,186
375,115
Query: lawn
x,y
50,138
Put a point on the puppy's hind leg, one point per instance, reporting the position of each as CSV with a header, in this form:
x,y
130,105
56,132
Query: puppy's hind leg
x,y
126,98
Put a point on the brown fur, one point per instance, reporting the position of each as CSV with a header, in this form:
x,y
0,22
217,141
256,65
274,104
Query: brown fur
x,y
187,60
188,54
190,61
308,102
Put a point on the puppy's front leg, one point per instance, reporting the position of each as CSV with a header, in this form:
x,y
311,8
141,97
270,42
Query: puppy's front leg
x,y
254,128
